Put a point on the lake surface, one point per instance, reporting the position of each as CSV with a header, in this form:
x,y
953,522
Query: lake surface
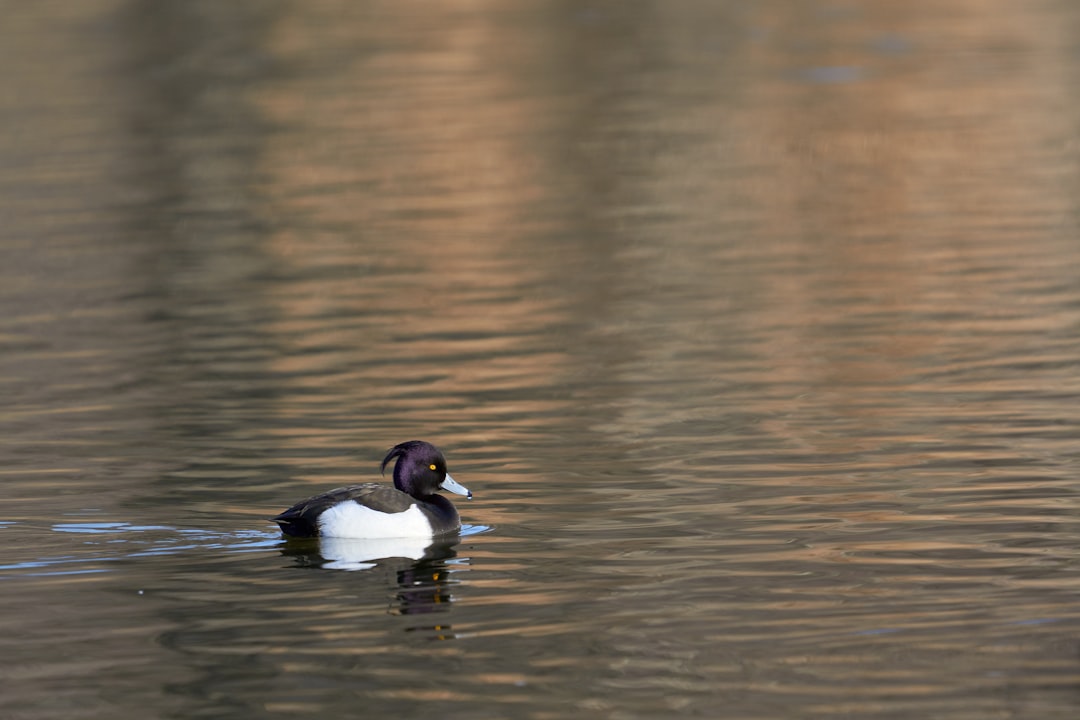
x,y
754,328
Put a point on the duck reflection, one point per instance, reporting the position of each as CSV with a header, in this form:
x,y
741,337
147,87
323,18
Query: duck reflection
x,y
423,588
420,566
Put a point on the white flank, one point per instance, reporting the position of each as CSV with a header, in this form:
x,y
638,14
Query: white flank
x,y
353,520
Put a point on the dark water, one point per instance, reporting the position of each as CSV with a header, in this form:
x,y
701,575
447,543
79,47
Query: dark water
x,y
754,328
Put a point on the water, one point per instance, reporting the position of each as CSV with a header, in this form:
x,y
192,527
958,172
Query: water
x,y
753,328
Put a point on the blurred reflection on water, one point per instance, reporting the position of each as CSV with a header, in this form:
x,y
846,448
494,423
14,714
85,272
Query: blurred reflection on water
x,y
753,327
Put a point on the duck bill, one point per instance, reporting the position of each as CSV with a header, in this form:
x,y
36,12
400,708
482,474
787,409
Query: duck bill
x,y
452,485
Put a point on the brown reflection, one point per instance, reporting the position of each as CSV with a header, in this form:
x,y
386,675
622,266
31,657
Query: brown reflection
x,y
443,219
412,205
835,241
900,172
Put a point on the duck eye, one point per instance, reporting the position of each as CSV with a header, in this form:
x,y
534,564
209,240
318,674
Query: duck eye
x,y
431,467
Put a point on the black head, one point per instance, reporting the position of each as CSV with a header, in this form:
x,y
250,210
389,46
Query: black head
x,y
420,469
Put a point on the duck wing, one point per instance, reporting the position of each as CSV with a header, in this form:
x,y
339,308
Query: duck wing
x,y
301,520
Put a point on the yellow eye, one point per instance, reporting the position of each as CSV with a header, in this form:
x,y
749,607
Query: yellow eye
x,y
431,467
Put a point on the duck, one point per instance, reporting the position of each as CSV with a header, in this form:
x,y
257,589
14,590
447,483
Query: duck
x,y
410,509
